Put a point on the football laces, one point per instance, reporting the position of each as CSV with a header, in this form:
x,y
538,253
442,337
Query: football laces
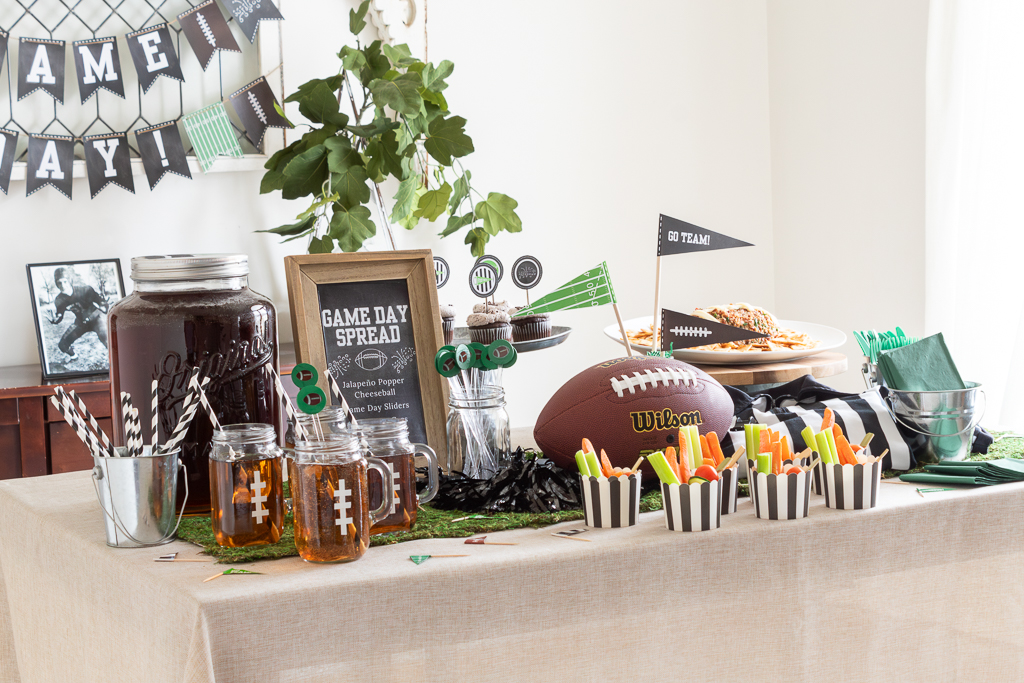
x,y
652,377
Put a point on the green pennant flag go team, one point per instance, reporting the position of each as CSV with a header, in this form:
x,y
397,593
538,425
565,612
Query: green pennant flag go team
x,y
593,288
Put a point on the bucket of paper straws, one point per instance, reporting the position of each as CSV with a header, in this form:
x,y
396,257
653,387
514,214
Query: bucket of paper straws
x,y
611,496
137,484
691,493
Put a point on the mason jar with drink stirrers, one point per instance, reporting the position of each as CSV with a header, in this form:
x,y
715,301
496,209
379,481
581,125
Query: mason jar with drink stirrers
x,y
330,420
388,439
479,439
331,501
247,502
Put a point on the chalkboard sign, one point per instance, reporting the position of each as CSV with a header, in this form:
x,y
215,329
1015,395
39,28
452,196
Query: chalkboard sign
x,y
371,320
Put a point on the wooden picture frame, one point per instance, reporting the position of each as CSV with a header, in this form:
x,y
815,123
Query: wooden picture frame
x,y
364,356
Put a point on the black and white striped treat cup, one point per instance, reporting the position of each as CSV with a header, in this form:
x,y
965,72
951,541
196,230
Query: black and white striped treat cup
x,y
852,487
692,507
612,502
730,489
780,496
816,486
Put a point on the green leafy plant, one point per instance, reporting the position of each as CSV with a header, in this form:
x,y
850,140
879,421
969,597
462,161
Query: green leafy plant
x,y
400,127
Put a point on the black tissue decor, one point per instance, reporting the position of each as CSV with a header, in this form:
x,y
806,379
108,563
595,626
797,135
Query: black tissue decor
x,y
529,484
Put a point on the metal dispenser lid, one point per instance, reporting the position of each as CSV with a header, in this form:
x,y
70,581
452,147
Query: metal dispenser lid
x,y
189,267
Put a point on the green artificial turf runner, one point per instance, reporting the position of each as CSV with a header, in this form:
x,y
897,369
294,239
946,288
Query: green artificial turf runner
x,y
430,523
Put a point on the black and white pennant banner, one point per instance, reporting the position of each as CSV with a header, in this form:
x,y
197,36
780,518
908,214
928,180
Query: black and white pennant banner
x,y
153,55
8,143
50,159
41,66
162,152
681,331
255,106
249,14
679,237
207,31
3,47
98,66
108,160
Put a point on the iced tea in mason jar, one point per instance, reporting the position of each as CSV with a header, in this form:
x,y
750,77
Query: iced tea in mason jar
x,y
247,502
329,494
388,439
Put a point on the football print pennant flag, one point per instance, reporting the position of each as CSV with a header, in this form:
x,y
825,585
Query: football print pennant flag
x,y
249,14
207,32
679,237
108,160
41,66
153,55
3,47
49,163
681,331
8,145
255,105
98,66
211,134
593,288
162,152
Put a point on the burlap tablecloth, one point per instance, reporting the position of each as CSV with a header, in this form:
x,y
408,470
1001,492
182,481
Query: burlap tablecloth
x,y
915,590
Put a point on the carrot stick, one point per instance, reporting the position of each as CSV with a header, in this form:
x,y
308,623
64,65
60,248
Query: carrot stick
x,y
828,421
705,449
775,436
784,446
776,458
684,450
716,448
588,447
670,457
766,441
606,464
846,455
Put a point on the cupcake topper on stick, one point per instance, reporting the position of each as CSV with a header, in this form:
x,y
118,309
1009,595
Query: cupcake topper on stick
x,y
483,280
441,272
526,274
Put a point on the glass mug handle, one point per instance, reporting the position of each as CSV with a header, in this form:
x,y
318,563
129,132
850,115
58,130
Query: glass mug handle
x,y
388,481
433,481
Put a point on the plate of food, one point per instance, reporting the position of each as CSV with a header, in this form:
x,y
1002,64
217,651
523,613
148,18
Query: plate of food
x,y
785,339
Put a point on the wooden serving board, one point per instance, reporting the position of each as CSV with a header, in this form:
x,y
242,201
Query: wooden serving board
x,y
825,364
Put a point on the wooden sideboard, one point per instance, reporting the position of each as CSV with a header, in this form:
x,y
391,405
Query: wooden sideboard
x,y
35,440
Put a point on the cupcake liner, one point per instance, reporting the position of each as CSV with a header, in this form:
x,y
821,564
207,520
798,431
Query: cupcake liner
x,y
780,496
611,503
730,489
692,507
489,335
851,487
528,331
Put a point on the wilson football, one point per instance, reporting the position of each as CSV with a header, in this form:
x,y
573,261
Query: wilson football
x,y
630,407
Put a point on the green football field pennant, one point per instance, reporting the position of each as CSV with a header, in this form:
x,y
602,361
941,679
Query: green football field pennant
x,y
211,134
593,288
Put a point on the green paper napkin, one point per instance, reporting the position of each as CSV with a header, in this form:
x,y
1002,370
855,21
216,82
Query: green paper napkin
x,y
974,473
922,366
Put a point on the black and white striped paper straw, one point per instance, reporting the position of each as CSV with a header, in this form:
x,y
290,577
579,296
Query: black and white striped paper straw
x,y
282,395
106,446
201,394
71,416
128,420
340,399
154,419
188,412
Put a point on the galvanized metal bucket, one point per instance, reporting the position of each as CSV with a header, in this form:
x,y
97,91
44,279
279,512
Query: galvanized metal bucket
x,y
944,421
137,496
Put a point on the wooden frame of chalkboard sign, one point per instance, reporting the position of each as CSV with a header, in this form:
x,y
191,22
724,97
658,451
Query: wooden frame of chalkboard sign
x,y
371,320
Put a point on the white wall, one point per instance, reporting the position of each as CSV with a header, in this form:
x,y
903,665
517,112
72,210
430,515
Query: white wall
x,y
847,136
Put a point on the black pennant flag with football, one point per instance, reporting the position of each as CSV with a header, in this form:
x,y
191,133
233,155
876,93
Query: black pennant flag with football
x,y
108,160
162,152
3,47
207,31
98,66
255,106
49,163
681,331
8,143
249,14
153,54
41,67
679,237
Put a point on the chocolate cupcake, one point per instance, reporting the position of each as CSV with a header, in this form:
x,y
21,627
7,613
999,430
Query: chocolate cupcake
x,y
447,322
530,327
489,322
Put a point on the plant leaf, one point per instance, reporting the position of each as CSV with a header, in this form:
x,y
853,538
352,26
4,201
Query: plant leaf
x,y
434,98
357,18
351,227
405,198
376,63
477,238
350,186
317,136
498,213
400,55
378,126
306,173
321,106
321,245
299,228
332,83
323,201
433,203
401,94
433,77
457,222
447,138
461,191
272,180
352,58
341,154
282,156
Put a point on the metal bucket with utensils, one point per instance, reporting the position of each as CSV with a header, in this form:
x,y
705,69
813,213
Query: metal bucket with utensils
x,y
137,496
943,421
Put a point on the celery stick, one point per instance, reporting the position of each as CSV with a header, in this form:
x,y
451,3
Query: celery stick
x,y
748,433
808,435
595,467
832,447
823,450
662,469
764,463
696,457
581,462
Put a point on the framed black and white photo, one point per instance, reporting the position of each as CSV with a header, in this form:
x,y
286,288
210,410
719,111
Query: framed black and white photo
x,y
70,301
